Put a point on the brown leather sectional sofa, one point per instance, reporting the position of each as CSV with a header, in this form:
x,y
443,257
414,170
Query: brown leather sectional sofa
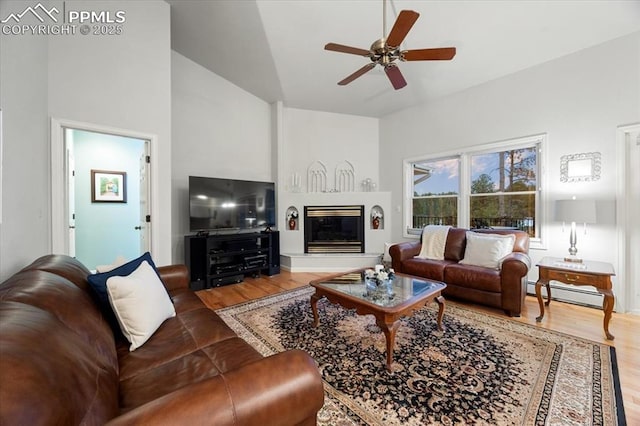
x,y
504,288
60,363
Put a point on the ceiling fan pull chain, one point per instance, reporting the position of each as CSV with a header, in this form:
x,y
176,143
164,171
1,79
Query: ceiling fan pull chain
x,y
384,20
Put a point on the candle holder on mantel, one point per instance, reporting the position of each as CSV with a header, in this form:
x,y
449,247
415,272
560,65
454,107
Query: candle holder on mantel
x,y
296,185
368,185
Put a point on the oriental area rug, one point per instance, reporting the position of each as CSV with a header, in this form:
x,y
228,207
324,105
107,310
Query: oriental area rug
x,y
482,369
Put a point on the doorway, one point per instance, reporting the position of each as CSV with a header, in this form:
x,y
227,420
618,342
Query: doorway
x,y
99,229
113,221
628,205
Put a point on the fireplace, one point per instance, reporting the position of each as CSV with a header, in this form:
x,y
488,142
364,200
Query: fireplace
x,y
334,229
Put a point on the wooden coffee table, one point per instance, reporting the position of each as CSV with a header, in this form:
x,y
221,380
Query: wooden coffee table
x,y
408,295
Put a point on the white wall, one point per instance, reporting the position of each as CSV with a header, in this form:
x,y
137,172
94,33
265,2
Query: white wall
x,y
331,138
222,131
309,136
122,81
25,228
219,130
578,100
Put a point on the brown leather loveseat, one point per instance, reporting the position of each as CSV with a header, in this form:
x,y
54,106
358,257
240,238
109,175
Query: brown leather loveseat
x,y
503,288
60,363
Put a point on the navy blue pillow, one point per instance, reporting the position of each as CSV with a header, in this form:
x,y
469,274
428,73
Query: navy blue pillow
x,y
98,283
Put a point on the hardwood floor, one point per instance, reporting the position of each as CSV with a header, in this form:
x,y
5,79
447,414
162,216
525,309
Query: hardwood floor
x,y
575,320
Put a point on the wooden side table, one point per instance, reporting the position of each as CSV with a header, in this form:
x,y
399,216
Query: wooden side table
x,y
596,274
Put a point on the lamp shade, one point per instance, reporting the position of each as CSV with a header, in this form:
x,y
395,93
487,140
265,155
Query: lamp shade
x,y
579,211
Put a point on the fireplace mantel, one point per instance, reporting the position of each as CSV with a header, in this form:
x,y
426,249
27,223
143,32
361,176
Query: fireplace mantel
x,y
292,241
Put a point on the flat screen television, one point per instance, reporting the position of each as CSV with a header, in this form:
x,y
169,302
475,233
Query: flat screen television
x,y
217,204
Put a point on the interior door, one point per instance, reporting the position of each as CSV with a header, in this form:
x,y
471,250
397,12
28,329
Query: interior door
x,y
71,193
144,225
104,231
633,231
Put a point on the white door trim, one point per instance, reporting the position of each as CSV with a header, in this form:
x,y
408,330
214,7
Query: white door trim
x,y
59,198
625,295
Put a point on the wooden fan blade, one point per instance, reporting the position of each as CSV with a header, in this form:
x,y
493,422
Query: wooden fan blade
x,y
438,54
395,76
346,49
357,74
401,28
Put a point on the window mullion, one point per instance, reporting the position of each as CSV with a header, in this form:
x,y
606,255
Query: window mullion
x,y
498,193
463,198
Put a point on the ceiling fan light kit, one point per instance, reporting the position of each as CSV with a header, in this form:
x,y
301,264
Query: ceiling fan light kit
x,y
386,51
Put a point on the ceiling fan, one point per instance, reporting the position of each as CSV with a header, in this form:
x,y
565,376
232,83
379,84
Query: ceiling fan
x,y
386,51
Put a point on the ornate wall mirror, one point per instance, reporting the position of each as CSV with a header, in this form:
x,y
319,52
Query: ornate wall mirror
x,y
580,167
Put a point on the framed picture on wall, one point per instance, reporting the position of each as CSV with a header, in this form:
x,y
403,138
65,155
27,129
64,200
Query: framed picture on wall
x,y
108,186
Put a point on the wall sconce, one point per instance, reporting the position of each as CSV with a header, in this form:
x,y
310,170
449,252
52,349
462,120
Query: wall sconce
x,y
575,211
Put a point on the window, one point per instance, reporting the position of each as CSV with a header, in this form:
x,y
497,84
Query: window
x,y
503,189
495,186
436,187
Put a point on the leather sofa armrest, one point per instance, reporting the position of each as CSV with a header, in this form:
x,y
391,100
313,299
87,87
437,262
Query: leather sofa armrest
x,y
516,263
513,278
403,251
283,389
174,276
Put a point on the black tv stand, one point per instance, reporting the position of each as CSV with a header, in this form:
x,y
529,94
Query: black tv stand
x,y
221,259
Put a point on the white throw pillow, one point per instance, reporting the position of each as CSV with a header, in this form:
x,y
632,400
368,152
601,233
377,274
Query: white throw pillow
x,y
487,249
140,302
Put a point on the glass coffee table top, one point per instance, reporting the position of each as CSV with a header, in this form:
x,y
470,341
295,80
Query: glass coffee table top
x,y
401,289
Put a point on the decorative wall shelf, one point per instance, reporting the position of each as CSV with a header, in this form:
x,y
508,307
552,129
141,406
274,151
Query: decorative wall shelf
x,y
377,217
293,218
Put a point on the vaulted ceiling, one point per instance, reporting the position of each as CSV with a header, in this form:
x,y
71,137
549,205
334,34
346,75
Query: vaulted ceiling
x,y
274,49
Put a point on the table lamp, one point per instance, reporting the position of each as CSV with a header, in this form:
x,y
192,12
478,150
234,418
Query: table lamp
x,y
575,211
